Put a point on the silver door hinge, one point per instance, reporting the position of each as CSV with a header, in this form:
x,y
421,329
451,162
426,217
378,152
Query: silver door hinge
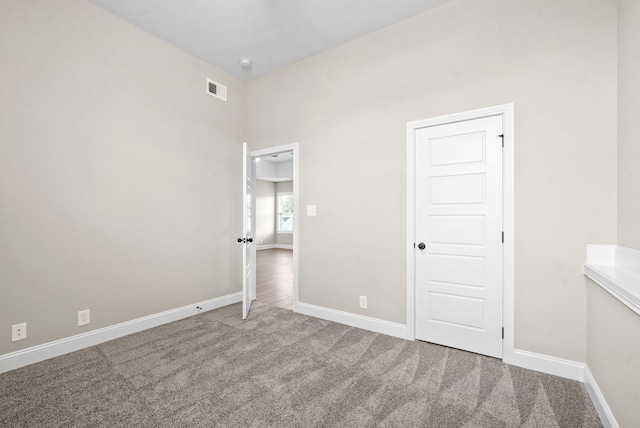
x,y
503,332
503,237
502,136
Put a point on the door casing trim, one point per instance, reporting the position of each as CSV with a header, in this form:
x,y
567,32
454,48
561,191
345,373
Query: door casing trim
x,y
295,148
508,211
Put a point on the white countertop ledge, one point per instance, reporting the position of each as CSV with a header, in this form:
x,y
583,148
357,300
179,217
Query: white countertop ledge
x,y
617,270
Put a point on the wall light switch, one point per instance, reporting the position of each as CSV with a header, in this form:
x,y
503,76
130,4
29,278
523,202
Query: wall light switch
x,y
311,210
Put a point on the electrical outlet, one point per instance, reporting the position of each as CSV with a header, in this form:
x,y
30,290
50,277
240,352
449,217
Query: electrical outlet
x,y
84,317
363,302
18,331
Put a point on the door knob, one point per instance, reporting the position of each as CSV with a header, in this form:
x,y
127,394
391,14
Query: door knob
x,y
249,239
422,246
240,239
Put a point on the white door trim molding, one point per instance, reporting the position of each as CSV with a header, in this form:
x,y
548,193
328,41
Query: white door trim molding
x,y
295,148
508,265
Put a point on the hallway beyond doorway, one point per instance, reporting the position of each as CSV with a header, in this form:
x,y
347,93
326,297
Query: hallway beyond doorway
x,y
274,277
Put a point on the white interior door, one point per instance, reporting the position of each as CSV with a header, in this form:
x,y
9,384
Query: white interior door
x,y
458,252
248,232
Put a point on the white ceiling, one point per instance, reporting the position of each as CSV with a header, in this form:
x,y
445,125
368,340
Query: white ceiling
x,y
272,33
278,157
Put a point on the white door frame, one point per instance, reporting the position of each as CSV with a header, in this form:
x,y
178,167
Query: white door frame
x,y
508,259
296,206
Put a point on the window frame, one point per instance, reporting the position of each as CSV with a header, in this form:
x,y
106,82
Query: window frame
x,y
279,213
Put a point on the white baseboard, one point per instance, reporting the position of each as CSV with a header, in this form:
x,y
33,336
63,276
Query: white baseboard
x,y
525,359
354,320
547,364
272,246
570,370
56,348
606,415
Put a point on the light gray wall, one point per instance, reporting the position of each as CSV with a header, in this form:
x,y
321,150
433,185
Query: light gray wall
x,y
266,170
118,175
274,171
628,123
265,212
613,351
284,238
613,345
555,60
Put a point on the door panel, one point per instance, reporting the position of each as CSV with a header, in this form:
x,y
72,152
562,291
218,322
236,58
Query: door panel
x,y
459,218
457,270
457,310
457,189
468,230
248,234
457,149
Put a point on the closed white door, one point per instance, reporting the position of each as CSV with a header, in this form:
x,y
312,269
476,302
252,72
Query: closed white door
x,y
248,233
458,252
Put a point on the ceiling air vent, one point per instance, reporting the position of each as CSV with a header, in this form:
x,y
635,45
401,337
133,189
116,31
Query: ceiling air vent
x,y
217,90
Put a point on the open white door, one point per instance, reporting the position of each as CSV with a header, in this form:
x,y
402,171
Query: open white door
x,y
248,232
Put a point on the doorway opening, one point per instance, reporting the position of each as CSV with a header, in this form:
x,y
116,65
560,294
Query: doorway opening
x,y
274,277
276,231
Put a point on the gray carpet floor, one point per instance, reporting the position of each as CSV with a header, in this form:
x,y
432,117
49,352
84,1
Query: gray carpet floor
x,y
282,369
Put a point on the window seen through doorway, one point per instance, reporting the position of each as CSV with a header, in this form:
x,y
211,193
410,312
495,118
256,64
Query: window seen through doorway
x,y
285,212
